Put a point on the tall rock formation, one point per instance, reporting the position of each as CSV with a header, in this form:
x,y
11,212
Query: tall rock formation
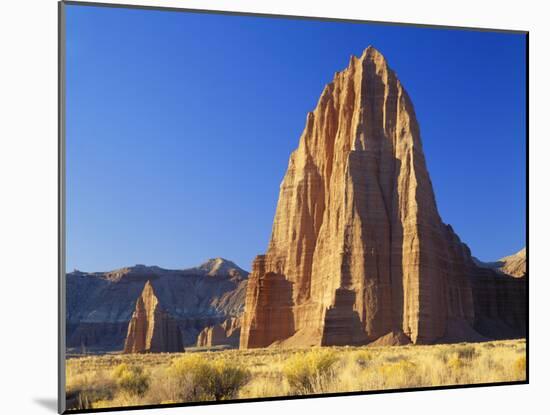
x,y
151,329
358,250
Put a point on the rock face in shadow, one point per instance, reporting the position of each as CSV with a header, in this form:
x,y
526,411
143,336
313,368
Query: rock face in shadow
x,y
224,334
100,305
358,250
152,329
500,304
342,325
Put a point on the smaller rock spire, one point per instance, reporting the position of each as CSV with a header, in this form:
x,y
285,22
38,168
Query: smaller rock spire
x,y
152,329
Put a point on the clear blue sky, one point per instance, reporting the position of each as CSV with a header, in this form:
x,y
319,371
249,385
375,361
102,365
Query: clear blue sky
x,y
179,128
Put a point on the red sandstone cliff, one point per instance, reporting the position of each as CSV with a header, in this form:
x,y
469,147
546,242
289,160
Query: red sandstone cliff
x,y
358,249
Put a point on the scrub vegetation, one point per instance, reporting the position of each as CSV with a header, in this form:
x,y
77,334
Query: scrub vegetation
x,y
144,379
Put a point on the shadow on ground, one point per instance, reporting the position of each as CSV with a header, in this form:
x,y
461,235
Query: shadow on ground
x,y
48,403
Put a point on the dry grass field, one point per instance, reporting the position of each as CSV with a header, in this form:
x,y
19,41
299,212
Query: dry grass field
x,y
145,379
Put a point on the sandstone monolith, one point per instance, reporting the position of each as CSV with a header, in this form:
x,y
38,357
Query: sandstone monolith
x,y
358,250
151,329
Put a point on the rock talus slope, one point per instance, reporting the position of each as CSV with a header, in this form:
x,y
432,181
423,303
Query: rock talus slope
x,y
358,249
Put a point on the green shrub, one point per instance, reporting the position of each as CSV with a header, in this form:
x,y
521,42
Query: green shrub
x,y
197,379
308,372
228,379
192,375
131,379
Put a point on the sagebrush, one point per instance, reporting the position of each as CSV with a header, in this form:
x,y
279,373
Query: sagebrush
x,y
147,379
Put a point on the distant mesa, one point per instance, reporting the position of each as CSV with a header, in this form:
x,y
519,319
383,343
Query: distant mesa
x,y
136,272
358,251
514,265
100,305
151,328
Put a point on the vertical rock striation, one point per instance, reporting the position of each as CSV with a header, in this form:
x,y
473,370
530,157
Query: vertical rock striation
x,y
500,303
224,334
358,250
151,329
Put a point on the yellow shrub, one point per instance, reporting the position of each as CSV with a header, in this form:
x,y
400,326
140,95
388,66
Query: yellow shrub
x,y
192,375
268,372
455,363
308,372
131,379
399,374
199,379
